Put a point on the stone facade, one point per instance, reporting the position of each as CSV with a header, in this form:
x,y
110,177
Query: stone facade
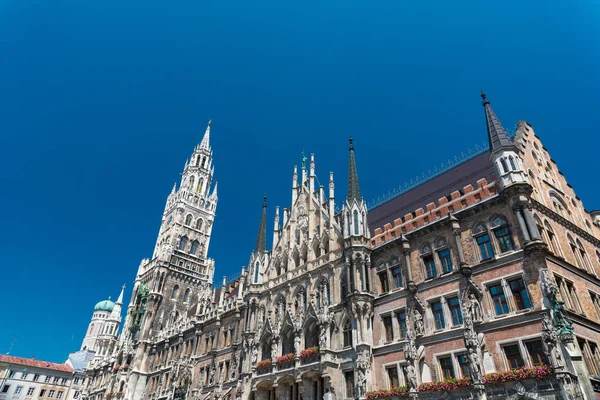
x,y
494,268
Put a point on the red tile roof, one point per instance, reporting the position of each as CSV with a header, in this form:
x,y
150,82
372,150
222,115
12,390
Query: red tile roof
x,y
30,362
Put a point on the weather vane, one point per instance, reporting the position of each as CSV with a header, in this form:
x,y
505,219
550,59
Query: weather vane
x,y
303,160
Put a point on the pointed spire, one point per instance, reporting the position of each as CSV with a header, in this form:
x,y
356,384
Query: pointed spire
x,y
496,133
205,144
120,299
261,240
174,188
214,192
353,188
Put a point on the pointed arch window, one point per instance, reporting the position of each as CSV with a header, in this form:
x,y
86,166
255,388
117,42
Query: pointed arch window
x,y
482,237
552,242
186,295
175,292
428,261
194,249
200,185
188,219
502,233
396,269
199,224
512,163
347,332
584,257
575,251
256,272
504,166
192,180
183,242
355,222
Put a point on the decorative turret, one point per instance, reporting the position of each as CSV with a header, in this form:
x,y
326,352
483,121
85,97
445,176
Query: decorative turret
x,y
259,258
503,152
261,240
355,208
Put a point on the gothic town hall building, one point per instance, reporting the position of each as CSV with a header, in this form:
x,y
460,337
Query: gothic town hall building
x,y
479,282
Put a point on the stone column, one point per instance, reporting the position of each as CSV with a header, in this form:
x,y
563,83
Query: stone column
x,y
522,224
533,229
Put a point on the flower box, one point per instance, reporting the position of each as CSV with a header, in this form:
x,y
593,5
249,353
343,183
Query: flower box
x,y
264,366
125,367
116,367
110,395
445,385
287,360
401,391
538,373
310,355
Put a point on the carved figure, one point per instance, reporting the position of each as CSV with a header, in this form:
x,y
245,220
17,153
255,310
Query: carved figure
x,y
475,308
323,337
254,353
550,341
419,326
297,344
474,366
211,377
362,383
411,377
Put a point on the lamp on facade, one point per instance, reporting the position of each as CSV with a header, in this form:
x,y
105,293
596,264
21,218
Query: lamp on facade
x,y
329,395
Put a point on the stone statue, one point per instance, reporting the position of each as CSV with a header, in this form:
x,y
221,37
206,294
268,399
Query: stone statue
x,y
550,342
323,337
411,377
562,323
254,353
297,344
274,353
474,366
475,308
211,376
362,383
419,326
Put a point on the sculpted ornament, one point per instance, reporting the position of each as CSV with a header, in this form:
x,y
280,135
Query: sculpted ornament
x,y
550,341
418,320
474,308
254,353
411,378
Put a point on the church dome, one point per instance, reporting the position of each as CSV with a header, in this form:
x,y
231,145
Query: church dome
x,y
104,305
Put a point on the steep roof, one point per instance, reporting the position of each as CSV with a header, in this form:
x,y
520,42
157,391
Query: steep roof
x,y
30,362
432,190
353,188
496,133
261,240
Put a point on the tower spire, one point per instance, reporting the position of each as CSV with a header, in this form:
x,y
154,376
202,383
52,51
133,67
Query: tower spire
x,y
261,240
205,144
120,299
496,134
353,188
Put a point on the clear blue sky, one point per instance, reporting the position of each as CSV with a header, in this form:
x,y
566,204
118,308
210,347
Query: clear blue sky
x,y
102,101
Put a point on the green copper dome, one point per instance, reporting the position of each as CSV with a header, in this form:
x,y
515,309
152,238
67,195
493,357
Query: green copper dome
x,y
105,305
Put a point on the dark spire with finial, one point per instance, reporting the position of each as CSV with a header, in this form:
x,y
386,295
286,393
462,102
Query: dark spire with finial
x,y
353,188
261,240
496,133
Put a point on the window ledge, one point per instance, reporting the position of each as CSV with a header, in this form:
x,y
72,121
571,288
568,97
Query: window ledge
x,y
523,311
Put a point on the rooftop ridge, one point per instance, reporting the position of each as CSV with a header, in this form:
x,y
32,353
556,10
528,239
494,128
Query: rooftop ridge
x,y
443,168
228,280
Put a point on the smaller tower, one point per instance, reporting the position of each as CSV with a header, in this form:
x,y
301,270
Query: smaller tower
x,y
355,208
503,152
259,258
102,333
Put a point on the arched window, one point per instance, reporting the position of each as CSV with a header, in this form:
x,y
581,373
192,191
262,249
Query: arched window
x,y
482,237
552,242
428,261
443,254
584,257
91,328
355,222
512,163
194,248
256,272
502,233
183,242
192,180
200,185
199,224
575,251
186,295
347,332
175,292
188,219
396,270
504,167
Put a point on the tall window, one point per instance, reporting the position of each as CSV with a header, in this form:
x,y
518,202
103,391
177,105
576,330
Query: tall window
x,y
584,257
199,224
596,300
396,273
355,222
445,260
485,246
536,352
463,362
438,315
519,292
429,262
552,239
392,373
349,378
513,356
389,330
175,292
347,333
512,163
188,219
186,295
401,316
383,281
447,367
183,242
568,293
591,356
256,273
502,234
455,311
499,299
504,167
194,248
